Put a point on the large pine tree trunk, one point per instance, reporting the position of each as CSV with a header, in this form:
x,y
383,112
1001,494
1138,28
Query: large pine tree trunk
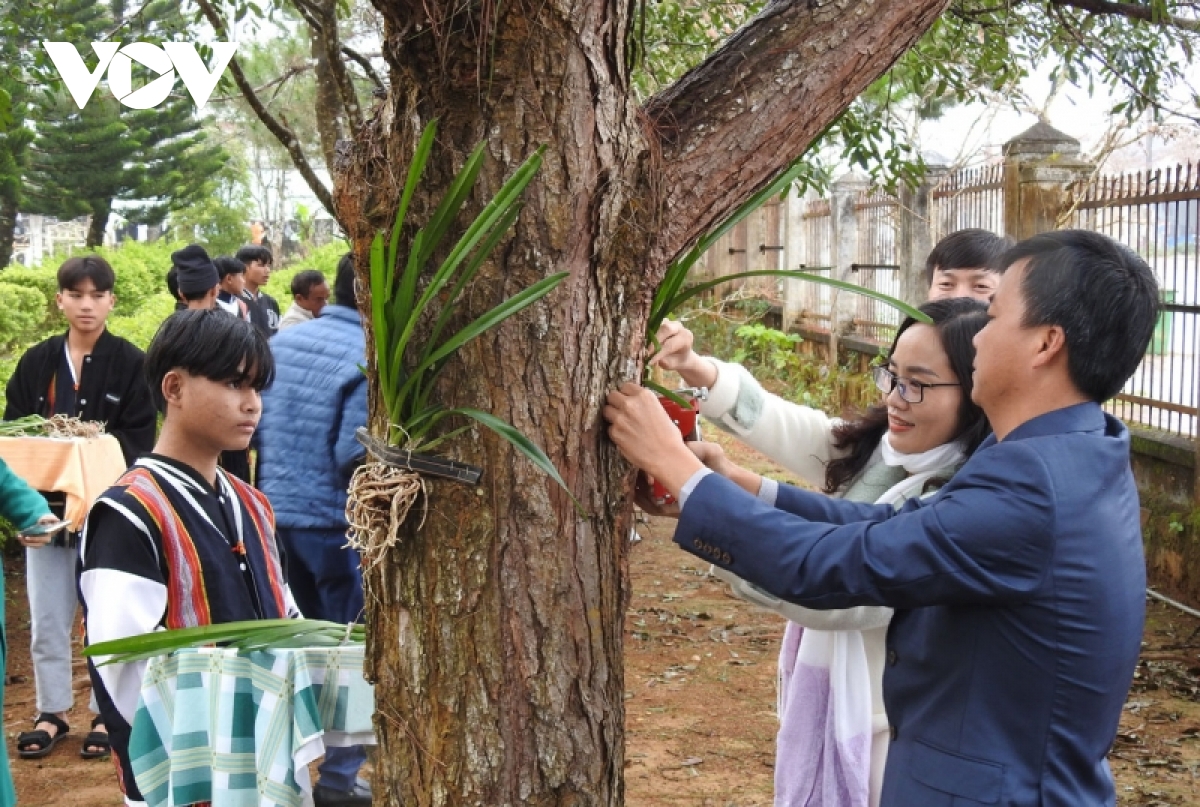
x,y
8,227
101,210
495,626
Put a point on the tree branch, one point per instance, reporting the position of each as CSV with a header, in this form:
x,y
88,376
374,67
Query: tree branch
x,y
345,83
759,101
978,16
277,82
365,64
125,23
281,132
1085,45
1129,11
322,21
310,14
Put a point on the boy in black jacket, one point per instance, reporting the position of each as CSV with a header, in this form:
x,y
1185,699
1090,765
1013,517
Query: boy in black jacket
x,y
91,374
264,311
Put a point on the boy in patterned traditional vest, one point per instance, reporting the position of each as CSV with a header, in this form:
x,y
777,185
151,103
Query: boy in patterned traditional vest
x,y
177,542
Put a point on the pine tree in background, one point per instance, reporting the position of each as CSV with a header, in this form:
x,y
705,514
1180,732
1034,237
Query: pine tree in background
x,y
82,161
14,144
176,162
19,73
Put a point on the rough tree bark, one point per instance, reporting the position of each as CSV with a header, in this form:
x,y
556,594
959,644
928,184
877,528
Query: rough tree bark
x,y
495,627
330,123
8,227
101,210
336,98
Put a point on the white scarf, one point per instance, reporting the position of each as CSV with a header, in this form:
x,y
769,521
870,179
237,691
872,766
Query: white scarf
x,y
920,467
829,733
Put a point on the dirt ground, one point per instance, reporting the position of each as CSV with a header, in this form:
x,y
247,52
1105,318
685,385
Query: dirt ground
x,y
700,696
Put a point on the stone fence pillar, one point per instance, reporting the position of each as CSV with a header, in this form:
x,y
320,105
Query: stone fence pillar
x,y
914,234
1039,166
844,194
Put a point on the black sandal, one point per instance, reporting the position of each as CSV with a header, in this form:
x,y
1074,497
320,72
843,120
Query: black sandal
x,y
41,738
95,739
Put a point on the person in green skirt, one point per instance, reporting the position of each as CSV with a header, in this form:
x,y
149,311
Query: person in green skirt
x,y
24,508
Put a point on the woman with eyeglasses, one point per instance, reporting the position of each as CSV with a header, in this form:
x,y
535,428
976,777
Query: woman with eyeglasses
x,y
833,732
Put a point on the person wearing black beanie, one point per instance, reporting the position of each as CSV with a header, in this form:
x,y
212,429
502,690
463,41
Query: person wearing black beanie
x,y
196,276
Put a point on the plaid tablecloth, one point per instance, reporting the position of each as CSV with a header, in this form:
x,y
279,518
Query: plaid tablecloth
x,y
239,729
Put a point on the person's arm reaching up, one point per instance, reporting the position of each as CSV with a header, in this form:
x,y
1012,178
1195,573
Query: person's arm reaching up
x,y
987,535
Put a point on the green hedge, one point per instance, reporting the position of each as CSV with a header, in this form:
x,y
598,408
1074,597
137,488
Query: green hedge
x,y
23,311
323,259
29,313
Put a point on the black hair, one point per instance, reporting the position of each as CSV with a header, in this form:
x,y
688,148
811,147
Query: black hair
x,y
173,288
305,281
192,296
211,344
957,320
967,249
1103,296
343,284
227,265
86,267
254,252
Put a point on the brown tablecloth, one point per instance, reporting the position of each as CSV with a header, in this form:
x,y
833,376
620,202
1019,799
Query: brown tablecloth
x,y
79,468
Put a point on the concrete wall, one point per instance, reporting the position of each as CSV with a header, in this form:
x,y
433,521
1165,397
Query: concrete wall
x,y
1164,466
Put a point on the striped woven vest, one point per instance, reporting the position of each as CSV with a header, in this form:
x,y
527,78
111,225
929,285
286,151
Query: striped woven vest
x,y
204,582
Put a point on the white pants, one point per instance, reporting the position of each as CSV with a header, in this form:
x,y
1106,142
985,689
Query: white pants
x,y
50,581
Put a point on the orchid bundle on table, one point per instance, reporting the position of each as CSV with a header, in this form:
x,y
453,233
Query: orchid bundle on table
x,y
55,426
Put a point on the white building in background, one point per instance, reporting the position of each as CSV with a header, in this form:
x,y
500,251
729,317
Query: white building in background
x,y
38,237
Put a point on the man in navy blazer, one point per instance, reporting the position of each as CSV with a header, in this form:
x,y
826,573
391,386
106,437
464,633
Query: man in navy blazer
x,y
1018,588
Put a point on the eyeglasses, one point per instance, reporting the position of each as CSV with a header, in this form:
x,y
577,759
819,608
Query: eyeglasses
x,y
910,389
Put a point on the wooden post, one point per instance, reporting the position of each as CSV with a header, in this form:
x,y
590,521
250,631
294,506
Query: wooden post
x,y
791,220
1196,425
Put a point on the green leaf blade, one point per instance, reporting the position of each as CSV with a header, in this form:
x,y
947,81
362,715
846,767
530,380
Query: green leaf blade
x,y
164,641
486,321
530,449
493,213
415,170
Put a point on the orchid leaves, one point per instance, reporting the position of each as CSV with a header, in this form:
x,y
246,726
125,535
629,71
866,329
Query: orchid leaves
x,y
409,367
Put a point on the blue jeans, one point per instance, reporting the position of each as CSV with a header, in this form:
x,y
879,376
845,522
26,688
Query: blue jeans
x,y
340,767
50,585
326,582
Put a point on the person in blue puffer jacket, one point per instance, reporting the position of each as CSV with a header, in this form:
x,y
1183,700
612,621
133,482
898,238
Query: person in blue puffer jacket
x,y
307,453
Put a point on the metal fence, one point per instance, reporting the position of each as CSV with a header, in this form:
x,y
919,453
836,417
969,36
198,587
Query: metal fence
x,y
972,197
816,301
1156,214
877,267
